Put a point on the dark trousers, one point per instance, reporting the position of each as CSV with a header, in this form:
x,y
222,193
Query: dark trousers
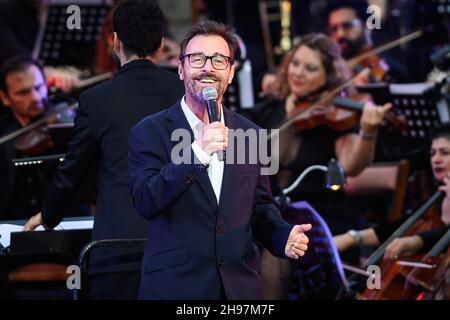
x,y
114,286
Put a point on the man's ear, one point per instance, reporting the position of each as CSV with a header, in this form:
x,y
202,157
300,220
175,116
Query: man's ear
x,y
180,70
116,43
231,76
161,46
4,98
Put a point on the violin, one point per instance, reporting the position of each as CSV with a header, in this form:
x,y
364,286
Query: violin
x,y
392,274
371,60
341,114
314,113
40,140
378,69
35,138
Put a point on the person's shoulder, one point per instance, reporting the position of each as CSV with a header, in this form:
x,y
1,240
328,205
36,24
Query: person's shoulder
x,y
167,74
6,116
7,122
155,120
265,109
169,78
100,90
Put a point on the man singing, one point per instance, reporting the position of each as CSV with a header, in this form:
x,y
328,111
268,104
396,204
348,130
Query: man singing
x,y
204,215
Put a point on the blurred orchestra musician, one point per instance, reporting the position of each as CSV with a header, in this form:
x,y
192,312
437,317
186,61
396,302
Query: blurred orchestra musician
x,y
24,93
312,67
424,240
105,116
19,22
346,24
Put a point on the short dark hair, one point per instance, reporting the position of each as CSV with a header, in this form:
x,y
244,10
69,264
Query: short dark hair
x,y
358,6
440,131
209,27
15,64
139,25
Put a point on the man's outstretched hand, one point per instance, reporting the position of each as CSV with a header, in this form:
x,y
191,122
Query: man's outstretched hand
x,y
296,245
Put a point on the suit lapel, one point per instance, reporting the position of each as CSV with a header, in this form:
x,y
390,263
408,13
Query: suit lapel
x,y
228,170
177,120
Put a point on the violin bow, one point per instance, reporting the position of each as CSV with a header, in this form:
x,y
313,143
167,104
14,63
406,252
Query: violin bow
x,y
93,80
354,61
36,124
326,97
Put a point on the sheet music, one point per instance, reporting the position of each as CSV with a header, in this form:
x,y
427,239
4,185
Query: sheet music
x,y
409,88
6,229
5,233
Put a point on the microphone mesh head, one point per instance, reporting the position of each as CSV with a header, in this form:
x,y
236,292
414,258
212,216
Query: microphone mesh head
x,y
209,93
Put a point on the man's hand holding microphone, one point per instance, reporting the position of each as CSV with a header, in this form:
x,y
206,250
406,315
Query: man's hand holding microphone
x,y
214,136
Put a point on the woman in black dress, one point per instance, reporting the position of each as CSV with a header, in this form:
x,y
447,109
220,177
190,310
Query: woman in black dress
x,y
314,66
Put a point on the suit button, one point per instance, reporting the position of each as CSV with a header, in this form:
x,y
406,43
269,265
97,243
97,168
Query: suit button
x,y
188,179
220,228
221,262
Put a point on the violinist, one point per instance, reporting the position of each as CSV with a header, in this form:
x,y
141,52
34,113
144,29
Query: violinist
x,y
346,24
24,92
422,242
314,65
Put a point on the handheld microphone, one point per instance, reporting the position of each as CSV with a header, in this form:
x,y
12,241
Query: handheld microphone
x,y
209,94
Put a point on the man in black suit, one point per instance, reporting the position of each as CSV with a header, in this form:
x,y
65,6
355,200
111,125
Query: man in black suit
x,y
204,214
106,114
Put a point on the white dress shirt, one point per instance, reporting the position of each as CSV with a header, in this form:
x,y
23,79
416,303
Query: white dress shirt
x,y
215,168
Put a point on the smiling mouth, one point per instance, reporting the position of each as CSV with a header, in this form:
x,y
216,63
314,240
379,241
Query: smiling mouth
x,y
206,80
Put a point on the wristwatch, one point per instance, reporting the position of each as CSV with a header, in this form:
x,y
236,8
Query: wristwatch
x,y
357,236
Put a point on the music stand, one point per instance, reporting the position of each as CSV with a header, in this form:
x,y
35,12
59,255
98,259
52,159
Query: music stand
x,y
56,45
30,161
417,104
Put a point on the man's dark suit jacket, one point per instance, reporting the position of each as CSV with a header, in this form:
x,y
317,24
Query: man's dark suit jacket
x,y
105,115
195,247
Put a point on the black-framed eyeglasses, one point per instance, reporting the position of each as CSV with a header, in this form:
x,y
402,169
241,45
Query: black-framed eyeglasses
x,y
346,25
198,60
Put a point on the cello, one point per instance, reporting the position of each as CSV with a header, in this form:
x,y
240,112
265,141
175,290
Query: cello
x,y
429,283
392,279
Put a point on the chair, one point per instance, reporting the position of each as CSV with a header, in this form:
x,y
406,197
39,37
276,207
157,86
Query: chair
x,y
319,274
83,293
380,180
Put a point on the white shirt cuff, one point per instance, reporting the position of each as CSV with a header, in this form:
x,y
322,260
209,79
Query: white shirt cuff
x,y
204,158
